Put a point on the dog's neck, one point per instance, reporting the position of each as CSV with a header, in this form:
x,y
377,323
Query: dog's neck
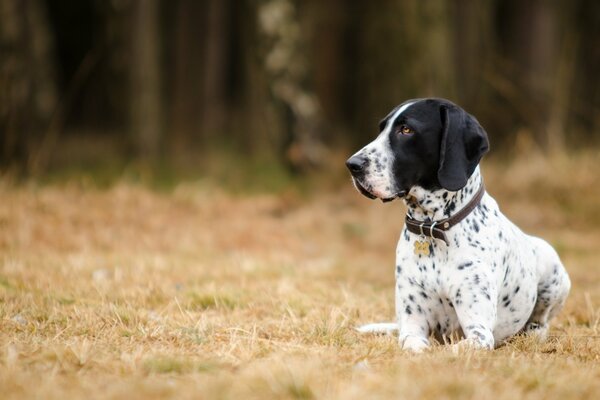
x,y
434,205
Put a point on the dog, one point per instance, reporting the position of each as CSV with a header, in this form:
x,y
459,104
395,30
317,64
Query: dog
x,y
462,268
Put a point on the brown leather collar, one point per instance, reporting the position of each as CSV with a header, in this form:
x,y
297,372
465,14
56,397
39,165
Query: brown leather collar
x,y
437,229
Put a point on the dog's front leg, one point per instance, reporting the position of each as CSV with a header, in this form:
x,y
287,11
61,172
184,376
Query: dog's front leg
x,y
414,329
475,302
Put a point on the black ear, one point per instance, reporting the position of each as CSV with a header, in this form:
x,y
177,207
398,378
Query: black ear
x,y
463,144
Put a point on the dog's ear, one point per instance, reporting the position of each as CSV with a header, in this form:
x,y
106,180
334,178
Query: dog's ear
x,y
463,144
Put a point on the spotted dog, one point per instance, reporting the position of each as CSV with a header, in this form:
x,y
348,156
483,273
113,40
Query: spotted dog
x,y
462,268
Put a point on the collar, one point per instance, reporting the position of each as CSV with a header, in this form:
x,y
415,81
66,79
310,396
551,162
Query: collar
x,y
437,229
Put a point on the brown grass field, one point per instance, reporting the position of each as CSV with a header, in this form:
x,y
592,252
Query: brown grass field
x,y
205,293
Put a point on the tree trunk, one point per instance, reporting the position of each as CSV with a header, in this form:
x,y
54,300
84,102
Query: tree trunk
x,y
215,63
561,95
186,101
27,77
534,48
146,107
435,58
473,47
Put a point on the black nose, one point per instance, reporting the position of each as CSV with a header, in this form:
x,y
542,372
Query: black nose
x,y
356,164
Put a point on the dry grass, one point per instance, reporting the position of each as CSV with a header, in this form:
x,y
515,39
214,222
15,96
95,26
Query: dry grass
x,y
196,293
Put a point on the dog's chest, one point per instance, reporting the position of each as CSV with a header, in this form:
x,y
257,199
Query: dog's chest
x,y
481,258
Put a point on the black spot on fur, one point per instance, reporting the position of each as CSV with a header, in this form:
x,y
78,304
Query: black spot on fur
x,y
484,291
465,265
449,208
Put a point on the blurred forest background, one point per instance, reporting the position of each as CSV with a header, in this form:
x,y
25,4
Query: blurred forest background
x,y
181,82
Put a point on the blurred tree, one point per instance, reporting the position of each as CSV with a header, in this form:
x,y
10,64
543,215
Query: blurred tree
x,y
286,78
471,46
202,40
216,60
584,24
186,74
28,94
146,82
538,53
430,30
286,67
533,45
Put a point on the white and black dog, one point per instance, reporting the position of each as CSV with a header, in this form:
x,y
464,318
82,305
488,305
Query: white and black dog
x,y
461,266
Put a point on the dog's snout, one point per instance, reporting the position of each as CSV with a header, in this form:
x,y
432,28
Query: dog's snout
x,y
357,164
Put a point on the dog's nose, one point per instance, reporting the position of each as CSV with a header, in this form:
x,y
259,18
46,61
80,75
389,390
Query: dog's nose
x,y
356,164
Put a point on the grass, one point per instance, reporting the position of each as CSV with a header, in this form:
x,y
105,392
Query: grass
x,y
192,292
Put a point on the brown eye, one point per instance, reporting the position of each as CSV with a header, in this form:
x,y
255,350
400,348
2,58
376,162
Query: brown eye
x,y
405,130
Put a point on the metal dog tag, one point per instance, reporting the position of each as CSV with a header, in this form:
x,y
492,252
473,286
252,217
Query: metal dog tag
x,y
422,248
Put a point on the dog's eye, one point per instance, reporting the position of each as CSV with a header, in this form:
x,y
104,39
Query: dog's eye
x,y
405,130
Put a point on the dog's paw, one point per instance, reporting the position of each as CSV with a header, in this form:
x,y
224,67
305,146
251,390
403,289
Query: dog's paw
x,y
536,330
414,344
469,345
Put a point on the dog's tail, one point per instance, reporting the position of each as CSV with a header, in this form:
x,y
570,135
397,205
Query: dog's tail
x,y
381,328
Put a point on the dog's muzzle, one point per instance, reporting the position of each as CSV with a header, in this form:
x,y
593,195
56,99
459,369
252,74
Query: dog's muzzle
x,y
357,165
365,192
362,189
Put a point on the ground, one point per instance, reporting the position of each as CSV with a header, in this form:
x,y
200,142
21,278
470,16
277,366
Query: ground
x,y
204,292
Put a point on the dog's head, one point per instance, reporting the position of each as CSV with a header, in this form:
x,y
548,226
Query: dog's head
x,y
431,143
